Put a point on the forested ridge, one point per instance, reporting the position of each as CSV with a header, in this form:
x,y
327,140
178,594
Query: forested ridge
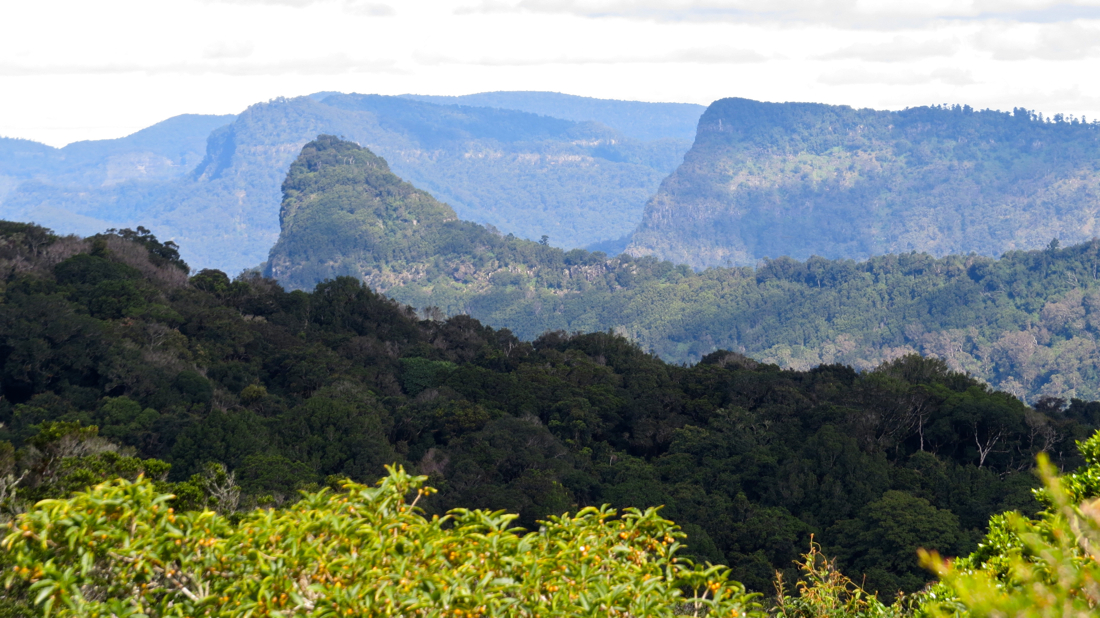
x,y
634,119
804,179
1025,323
281,391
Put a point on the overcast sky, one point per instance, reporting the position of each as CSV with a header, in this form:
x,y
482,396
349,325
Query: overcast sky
x,y
77,69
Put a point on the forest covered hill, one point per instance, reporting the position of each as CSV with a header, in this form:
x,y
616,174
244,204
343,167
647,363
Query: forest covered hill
x,y
1026,323
288,389
808,179
577,182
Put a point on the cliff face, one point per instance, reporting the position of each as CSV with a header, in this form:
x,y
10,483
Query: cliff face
x,y
797,179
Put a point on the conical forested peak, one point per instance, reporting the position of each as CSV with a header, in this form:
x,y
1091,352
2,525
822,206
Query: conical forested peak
x,y
329,163
329,151
344,211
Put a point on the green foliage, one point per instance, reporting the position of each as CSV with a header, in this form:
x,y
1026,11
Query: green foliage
x,y
209,280
22,237
252,393
160,253
85,269
119,549
64,457
882,540
1006,542
1029,568
824,592
1084,484
419,374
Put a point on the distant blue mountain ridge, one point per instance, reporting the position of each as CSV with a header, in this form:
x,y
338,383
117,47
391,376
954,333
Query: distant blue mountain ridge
x,y
634,119
575,169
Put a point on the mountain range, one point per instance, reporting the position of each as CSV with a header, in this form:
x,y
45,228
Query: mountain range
x,y
166,150
634,119
574,180
925,198
805,179
759,180
1028,323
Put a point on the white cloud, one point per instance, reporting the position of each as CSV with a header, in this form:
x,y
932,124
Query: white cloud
x,y
698,55
899,49
861,76
952,76
370,9
1042,11
291,3
1063,99
222,50
334,64
355,7
1070,41
845,13
715,55
221,55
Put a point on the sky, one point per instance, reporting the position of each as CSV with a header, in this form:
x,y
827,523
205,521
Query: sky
x,y
74,70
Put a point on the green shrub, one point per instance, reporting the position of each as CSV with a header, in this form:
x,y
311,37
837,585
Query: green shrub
x,y
1032,568
119,550
823,591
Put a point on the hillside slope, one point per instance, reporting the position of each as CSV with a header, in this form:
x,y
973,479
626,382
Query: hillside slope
x,y
531,175
1028,323
805,179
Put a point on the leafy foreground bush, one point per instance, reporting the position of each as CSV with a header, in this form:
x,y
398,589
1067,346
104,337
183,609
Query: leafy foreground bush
x,y
823,591
119,550
1029,568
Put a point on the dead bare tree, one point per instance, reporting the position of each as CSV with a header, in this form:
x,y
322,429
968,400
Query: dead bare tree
x,y
985,447
221,484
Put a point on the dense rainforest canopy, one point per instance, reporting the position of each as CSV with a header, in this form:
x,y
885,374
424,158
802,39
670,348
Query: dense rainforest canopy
x,y
1026,323
290,390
